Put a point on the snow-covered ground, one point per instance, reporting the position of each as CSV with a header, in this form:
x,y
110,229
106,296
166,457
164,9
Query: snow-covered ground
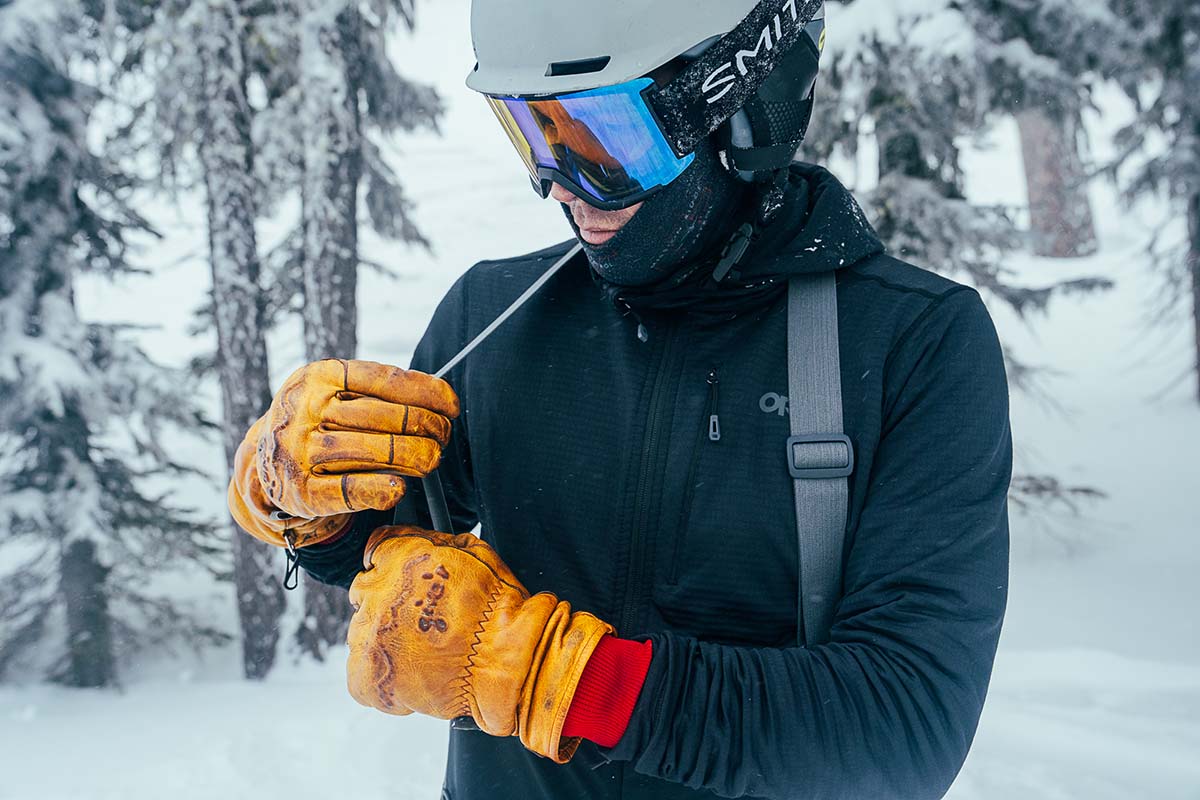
x,y
1096,693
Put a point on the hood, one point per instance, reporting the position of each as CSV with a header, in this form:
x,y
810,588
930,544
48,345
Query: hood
x,y
819,228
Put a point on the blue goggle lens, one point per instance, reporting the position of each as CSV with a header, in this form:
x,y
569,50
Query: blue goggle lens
x,y
601,143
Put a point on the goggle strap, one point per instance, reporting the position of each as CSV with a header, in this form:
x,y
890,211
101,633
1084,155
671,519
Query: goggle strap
x,y
762,159
710,90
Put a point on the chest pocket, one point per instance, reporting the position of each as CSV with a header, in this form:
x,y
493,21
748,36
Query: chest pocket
x,y
729,565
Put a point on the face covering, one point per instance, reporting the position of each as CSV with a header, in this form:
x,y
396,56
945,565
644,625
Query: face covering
x,y
685,223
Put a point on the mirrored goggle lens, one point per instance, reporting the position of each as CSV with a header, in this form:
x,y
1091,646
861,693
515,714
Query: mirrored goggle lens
x,y
605,140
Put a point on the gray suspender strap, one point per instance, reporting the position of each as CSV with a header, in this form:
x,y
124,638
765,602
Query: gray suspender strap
x,y
820,455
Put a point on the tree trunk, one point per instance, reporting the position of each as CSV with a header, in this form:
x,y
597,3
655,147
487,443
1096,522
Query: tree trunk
x,y
1194,271
332,171
82,577
226,153
1060,212
330,54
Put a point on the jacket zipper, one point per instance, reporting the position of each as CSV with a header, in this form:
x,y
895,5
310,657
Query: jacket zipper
x,y
660,394
713,434
714,422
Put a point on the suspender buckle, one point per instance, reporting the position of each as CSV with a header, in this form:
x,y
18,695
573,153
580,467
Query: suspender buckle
x,y
820,455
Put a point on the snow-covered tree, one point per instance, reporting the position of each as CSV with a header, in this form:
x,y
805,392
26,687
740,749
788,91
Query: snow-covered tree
x,y
920,103
330,71
1160,150
332,96
1041,60
333,91
918,78
82,410
181,70
311,82
226,154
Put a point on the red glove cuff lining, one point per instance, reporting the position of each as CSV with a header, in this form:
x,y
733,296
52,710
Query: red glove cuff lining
x,y
608,691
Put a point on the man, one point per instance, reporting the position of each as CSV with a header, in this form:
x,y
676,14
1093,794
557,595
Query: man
x,y
619,441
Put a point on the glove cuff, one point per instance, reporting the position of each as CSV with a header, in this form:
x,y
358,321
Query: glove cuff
x,y
609,690
566,645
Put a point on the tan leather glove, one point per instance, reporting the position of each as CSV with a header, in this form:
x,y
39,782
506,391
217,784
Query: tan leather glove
x,y
442,627
252,510
337,438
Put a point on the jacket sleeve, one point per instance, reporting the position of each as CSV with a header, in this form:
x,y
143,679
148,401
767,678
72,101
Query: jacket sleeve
x,y
340,562
888,708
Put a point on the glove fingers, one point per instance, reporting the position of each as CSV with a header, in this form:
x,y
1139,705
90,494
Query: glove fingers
x,y
357,491
336,452
396,385
364,413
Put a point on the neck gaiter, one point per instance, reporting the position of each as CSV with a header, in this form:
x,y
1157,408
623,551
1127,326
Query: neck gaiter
x,y
688,220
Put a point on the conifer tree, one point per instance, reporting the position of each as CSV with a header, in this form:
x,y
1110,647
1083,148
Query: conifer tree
x,y
323,84
183,70
919,79
226,153
325,65
83,412
1162,77
1041,60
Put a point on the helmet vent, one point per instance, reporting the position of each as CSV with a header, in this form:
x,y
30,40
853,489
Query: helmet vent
x,y
583,66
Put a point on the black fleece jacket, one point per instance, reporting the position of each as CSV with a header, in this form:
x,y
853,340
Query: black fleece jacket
x,y
583,452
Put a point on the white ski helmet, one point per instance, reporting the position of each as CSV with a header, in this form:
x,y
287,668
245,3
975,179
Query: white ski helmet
x,y
573,80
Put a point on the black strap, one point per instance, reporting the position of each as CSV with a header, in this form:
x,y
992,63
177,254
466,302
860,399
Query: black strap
x,y
820,456
714,87
762,159
435,496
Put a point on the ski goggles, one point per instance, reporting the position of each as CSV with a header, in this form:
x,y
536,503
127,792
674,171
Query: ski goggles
x,y
605,145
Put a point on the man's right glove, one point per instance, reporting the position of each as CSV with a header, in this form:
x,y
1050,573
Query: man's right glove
x,y
337,438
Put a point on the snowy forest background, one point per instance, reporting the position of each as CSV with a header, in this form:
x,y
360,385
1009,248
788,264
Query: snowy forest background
x,y
198,196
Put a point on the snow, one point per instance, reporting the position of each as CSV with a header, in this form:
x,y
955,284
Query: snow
x,y
1083,723
1096,692
189,739
22,16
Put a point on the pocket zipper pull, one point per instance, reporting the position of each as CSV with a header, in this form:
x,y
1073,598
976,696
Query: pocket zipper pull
x,y
714,422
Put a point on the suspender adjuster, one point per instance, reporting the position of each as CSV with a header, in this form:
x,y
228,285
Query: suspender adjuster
x,y
822,455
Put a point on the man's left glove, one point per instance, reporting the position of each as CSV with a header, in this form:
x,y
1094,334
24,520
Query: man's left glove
x,y
337,439
253,511
442,627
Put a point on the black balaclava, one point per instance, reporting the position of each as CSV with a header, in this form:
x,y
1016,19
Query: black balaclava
x,y
680,226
